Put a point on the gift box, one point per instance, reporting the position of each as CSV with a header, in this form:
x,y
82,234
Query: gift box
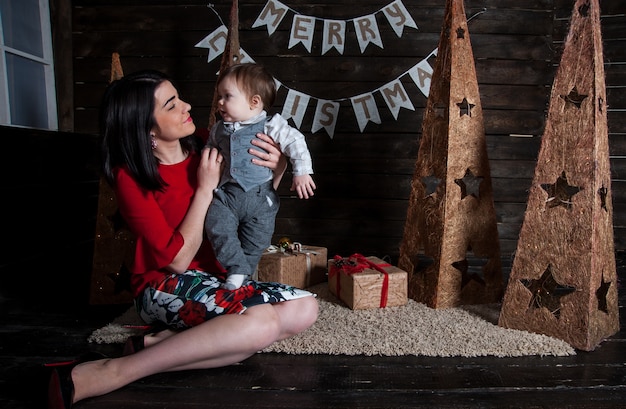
x,y
300,267
367,282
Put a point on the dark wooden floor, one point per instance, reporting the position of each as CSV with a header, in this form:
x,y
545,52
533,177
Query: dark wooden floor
x,y
33,335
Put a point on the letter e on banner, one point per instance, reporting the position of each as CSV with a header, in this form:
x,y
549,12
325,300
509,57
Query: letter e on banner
x,y
302,31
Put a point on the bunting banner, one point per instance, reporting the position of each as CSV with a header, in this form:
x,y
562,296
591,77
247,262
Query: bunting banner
x,y
334,31
326,111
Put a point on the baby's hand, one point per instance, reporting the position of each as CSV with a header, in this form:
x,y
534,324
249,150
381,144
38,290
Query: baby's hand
x,y
304,185
233,282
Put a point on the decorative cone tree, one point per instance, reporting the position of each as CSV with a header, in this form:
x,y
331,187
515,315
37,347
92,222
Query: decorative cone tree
x,y
563,281
113,244
450,246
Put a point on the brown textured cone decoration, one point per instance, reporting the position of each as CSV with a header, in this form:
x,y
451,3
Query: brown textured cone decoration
x,y
230,56
563,281
113,244
450,246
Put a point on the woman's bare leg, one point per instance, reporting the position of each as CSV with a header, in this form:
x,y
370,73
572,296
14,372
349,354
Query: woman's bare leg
x,y
222,341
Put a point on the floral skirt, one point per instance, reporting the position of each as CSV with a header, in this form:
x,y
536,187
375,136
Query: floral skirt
x,y
185,300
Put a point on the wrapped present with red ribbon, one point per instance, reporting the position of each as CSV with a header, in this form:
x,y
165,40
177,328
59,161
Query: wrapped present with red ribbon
x,y
367,282
297,265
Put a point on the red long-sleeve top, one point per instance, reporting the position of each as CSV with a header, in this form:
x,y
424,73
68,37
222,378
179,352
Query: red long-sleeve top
x,y
154,217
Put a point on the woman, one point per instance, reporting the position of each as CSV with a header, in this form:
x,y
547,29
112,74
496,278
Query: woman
x,y
164,188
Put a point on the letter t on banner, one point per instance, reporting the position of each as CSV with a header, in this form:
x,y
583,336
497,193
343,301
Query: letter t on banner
x,y
365,109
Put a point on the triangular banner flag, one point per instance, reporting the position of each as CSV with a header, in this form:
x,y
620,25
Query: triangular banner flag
x,y
326,113
302,28
334,35
295,106
398,17
365,109
367,31
271,16
396,97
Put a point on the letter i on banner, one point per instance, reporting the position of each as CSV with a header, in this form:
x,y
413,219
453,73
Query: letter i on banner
x,y
295,106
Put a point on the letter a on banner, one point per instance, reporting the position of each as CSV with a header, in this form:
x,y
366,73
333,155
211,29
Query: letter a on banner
x,y
421,75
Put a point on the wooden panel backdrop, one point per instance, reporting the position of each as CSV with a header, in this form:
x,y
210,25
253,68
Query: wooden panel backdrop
x,y
363,177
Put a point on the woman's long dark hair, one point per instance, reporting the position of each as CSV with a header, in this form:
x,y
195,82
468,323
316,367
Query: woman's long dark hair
x,y
126,120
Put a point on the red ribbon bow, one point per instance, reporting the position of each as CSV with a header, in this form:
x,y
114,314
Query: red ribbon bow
x,y
355,264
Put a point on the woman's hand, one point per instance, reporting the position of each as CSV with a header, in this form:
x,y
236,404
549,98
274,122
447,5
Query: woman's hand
x,y
271,157
209,169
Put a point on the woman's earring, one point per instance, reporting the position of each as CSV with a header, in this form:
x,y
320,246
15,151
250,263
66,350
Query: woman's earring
x,y
153,142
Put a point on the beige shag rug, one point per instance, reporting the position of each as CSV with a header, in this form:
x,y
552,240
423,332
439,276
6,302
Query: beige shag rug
x,y
413,329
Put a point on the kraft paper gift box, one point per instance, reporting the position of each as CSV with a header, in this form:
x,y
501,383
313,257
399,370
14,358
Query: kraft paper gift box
x,y
300,268
367,282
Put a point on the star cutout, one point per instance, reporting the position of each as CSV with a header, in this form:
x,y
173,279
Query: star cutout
x,y
574,97
601,293
584,10
470,184
603,192
422,262
547,292
121,280
460,32
430,183
465,108
600,104
439,110
560,192
471,270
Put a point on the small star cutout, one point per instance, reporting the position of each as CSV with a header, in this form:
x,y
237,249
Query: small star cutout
x,y
465,108
471,270
430,183
600,104
439,110
560,192
574,97
547,292
601,293
469,184
584,10
603,192
422,262
460,32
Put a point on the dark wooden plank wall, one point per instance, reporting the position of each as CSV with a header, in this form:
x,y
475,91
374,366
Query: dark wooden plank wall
x,y
363,177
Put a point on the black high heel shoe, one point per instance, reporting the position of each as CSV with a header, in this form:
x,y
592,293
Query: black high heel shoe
x,y
61,386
